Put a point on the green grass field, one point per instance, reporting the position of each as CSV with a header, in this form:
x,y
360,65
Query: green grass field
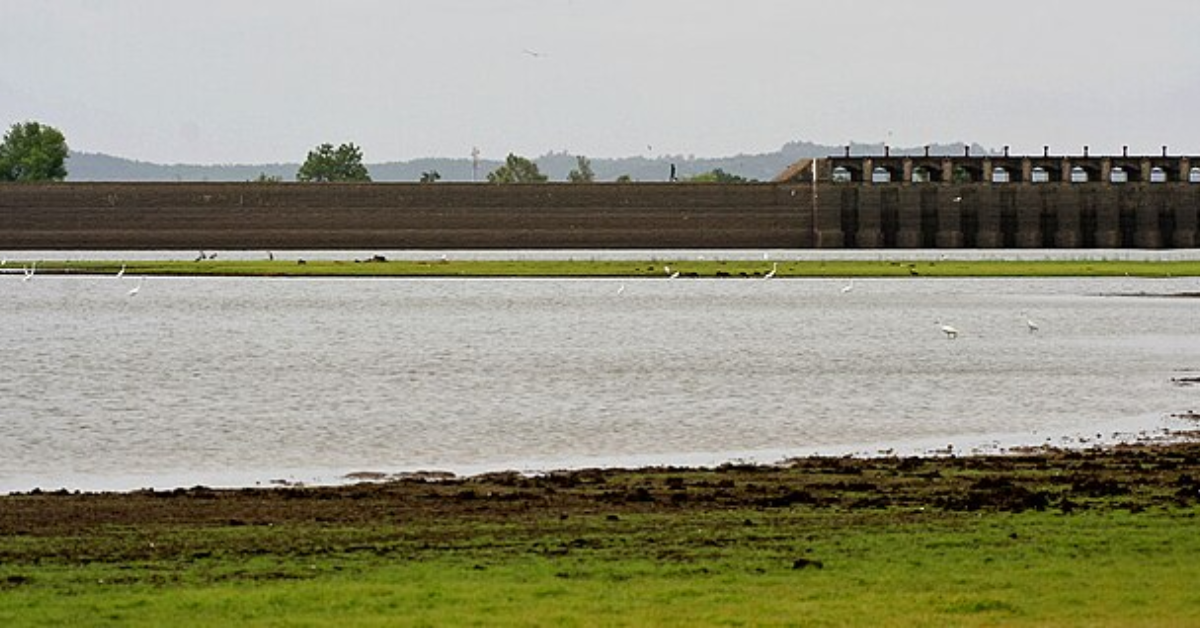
x,y
656,268
725,568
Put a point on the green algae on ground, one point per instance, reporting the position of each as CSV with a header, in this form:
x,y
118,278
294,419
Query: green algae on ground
x,y
376,267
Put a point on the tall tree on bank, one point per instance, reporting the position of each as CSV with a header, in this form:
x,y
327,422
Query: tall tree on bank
x,y
327,164
33,152
517,170
582,172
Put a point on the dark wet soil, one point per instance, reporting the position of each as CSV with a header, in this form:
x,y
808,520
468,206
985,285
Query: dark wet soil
x,y
1135,477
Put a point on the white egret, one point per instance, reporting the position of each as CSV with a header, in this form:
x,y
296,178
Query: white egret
x,y
674,275
138,288
849,286
666,270
951,333
621,289
121,273
1029,322
774,269
29,271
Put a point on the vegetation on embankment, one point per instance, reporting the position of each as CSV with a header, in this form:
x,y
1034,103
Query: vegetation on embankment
x,y
1095,538
379,267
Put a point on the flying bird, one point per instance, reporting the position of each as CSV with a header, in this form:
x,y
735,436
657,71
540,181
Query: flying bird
x,y
533,53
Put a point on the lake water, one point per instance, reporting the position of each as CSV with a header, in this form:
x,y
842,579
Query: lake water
x,y
242,381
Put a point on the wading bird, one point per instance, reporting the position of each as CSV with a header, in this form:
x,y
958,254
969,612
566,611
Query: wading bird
x,y
121,273
951,333
774,269
138,288
1030,323
849,286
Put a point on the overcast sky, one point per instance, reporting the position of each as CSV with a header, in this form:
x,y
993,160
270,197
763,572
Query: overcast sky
x,y
235,81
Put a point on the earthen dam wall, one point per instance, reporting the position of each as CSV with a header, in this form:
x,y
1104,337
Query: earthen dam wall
x,y
100,216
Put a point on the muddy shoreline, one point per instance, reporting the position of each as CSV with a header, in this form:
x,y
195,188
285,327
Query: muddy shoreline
x,y
1136,477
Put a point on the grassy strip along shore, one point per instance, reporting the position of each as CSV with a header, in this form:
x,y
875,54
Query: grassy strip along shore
x,y
1077,538
380,267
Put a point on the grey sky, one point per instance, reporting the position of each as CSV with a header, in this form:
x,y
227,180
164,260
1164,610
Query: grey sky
x,y
230,81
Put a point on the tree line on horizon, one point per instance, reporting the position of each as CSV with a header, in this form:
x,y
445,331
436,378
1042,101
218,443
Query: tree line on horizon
x,y
34,151
327,164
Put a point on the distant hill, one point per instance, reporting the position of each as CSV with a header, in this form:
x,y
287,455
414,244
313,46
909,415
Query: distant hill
x,y
761,166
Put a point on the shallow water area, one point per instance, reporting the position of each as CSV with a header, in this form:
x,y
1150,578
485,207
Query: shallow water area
x,y
250,381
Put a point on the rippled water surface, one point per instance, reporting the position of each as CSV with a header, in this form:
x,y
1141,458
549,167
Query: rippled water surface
x,y
233,381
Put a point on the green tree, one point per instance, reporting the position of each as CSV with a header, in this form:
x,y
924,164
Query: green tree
x,y
33,152
267,178
624,179
431,176
325,164
516,170
582,172
718,176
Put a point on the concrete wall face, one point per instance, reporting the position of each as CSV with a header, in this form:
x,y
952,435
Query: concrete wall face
x,y
787,215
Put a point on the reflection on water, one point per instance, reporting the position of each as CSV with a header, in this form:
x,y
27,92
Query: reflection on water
x,y
234,380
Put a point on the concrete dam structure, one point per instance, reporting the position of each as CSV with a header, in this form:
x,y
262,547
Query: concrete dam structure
x,y
877,202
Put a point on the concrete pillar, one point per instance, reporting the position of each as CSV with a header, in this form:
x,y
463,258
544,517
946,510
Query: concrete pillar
x,y
1147,168
907,170
1106,170
868,170
827,231
1148,234
909,206
1026,171
824,169
1028,205
1067,205
1066,170
870,226
1185,170
949,223
988,171
1187,215
988,214
947,170
1108,217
